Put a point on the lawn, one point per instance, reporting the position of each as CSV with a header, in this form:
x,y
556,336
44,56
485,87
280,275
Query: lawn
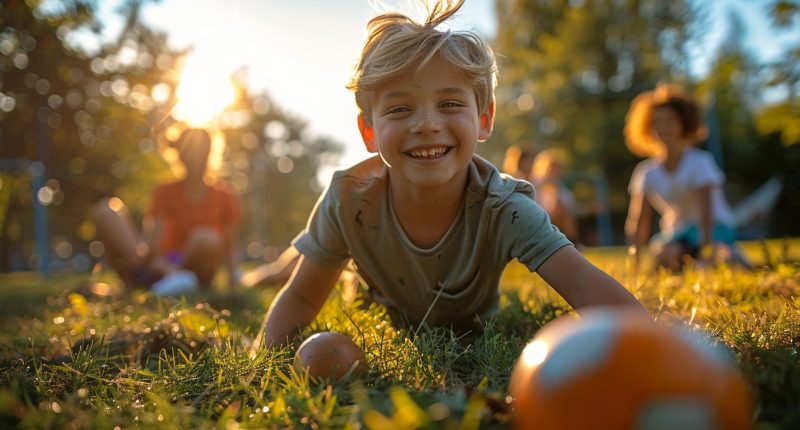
x,y
76,351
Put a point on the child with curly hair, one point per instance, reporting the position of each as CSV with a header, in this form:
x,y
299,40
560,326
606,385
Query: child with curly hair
x,y
683,183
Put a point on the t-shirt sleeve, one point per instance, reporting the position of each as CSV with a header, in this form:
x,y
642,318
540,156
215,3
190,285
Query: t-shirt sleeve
x,y
323,240
533,237
705,171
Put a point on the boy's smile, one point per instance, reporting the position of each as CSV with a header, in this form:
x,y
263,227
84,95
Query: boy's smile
x,y
426,125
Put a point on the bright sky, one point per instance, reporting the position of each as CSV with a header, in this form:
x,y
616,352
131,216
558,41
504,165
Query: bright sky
x,y
302,52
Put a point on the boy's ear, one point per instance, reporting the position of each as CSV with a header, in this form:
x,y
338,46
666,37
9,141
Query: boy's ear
x,y
367,134
487,123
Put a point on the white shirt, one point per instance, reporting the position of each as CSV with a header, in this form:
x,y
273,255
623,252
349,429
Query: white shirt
x,y
674,194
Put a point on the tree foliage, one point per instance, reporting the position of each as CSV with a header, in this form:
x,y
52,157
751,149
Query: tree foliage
x,y
781,117
752,152
273,162
89,118
569,69
731,88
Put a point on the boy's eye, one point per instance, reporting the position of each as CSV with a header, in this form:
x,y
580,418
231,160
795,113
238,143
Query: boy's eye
x,y
450,104
397,109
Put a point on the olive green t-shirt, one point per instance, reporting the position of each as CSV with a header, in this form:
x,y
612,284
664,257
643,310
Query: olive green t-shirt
x,y
500,221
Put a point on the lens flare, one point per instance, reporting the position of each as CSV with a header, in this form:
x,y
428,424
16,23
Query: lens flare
x,y
204,91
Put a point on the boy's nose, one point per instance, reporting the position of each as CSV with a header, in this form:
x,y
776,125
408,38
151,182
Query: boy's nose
x,y
428,121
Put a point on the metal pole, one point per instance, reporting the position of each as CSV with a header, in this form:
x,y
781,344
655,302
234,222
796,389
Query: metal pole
x,y
38,170
40,229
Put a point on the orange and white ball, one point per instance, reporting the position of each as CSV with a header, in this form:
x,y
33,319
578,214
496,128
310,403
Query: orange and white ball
x,y
329,355
616,369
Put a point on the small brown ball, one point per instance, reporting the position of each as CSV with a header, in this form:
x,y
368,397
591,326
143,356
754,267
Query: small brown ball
x,y
329,355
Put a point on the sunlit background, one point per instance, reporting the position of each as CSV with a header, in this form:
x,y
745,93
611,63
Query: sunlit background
x,y
204,91
90,90
302,52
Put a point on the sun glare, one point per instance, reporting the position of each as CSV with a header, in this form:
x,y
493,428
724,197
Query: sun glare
x,y
204,91
535,353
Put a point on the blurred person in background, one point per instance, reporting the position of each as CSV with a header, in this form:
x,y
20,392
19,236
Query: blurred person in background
x,y
552,193
518,162
683,183
188,231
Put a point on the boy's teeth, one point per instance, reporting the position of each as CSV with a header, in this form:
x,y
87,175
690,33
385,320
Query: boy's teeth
x,y
425,153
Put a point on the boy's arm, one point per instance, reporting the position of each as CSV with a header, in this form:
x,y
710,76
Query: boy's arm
x,y
582,284
299,301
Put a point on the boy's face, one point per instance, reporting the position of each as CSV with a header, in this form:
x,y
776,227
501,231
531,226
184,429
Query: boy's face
x,y
425,126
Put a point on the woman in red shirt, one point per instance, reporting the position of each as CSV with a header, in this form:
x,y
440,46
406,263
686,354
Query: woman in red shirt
x,y
188,232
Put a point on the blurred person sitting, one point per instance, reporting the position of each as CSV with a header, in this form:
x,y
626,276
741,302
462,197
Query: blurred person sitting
x,y
683,183
552,193
518,162
188,232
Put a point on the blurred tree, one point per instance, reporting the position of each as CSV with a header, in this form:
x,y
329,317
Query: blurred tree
x,y
85,117
88,117
569,69
780,119
782,116
273,161
733,89
55,109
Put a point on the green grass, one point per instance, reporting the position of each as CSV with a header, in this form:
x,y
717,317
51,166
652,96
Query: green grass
x,y
72,358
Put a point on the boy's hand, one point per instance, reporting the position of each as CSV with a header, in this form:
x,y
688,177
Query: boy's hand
x,y
298,303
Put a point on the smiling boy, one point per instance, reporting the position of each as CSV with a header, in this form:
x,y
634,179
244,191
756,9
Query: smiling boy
x,y
429,225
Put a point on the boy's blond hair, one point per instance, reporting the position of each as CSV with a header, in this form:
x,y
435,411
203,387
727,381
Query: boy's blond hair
x,y
396,44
